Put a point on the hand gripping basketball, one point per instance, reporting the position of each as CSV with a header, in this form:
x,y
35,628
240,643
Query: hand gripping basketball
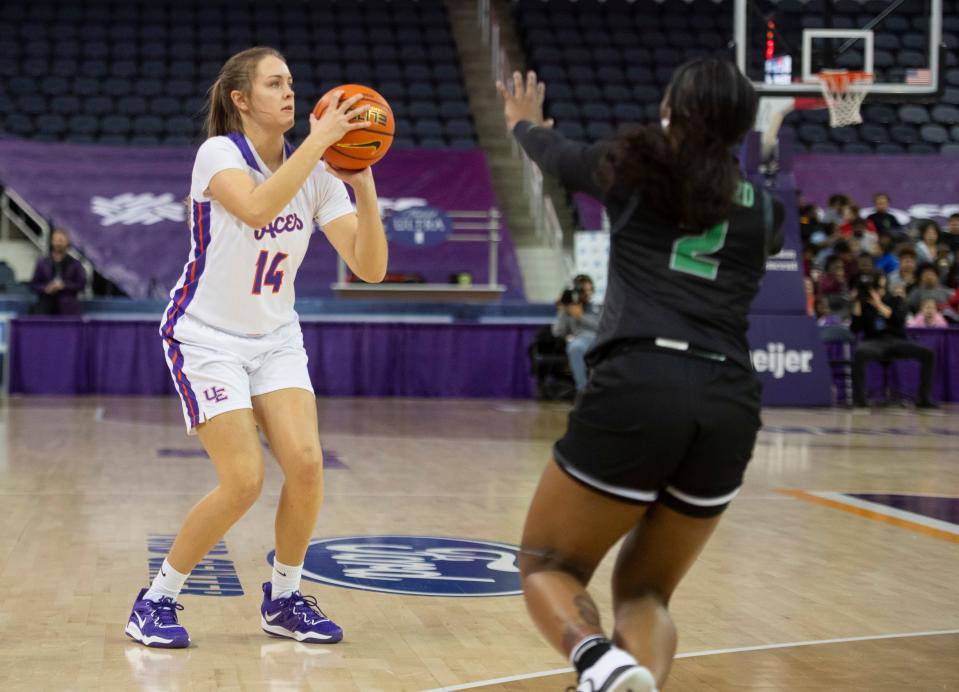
x,y
332,124
366,123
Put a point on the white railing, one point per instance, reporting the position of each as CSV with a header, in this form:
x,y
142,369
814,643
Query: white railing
x,y
469,226
542,212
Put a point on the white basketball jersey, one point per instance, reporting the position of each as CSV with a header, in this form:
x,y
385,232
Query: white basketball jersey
x,y
240,279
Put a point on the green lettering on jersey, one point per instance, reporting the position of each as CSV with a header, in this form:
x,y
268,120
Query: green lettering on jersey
x,y
745,194
690,252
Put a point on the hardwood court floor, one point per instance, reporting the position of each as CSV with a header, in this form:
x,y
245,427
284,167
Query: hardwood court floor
x,y
85,483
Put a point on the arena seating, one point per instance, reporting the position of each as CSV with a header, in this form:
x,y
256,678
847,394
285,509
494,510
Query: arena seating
x,y
137,72
606,64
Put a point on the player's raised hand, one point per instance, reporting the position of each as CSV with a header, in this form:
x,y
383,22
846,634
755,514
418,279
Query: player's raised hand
x,y
338,118
524,101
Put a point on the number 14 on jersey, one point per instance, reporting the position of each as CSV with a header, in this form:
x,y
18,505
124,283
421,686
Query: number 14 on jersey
x,y
272,276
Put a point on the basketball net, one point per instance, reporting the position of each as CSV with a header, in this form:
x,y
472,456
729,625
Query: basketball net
x,y
843,102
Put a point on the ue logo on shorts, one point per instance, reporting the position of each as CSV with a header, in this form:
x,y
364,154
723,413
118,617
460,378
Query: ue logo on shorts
x,y
414,565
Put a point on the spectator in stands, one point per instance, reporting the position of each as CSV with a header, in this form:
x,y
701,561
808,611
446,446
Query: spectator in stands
x,y
951,236
850,215
833,285
887,260
58,279
928,287
883,220
825,317
833,213
881,317
903,279
868,240
577,321
848,251
866,264
808,222
927,247
825,240
928,316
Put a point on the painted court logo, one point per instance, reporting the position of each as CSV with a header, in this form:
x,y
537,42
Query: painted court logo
x,y
414,565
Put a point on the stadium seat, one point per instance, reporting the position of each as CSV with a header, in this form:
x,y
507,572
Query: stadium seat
x,y
132,105
51,125
454,109
945,114
596,111
812,133
32,104
880,114
587,93
843,135
562,111
148,125
824,148
627,113
904,134
458,129
598,130
913,114
617,93
933,133
423,109
115,125
873,133
572,130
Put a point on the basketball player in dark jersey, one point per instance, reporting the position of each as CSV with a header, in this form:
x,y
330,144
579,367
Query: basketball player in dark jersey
x,y
657,444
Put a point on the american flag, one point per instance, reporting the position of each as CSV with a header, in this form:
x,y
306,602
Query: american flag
x,y
918,77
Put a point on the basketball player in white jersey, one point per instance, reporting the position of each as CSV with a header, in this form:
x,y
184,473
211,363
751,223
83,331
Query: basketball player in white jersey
x,y
233,341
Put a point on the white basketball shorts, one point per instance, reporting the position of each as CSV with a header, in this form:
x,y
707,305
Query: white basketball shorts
x,y
215,371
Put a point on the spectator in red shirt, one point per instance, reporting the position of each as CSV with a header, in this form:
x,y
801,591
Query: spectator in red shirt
x,y
850,213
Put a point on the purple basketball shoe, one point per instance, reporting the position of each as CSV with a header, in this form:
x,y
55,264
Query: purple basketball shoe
x,y
155,624
297,617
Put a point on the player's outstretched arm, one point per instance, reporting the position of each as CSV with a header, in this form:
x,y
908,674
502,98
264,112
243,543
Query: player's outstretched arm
x,y
257,205
575,164
359,238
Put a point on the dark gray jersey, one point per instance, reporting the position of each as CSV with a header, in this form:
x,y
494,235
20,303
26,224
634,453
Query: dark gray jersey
x,y
664,281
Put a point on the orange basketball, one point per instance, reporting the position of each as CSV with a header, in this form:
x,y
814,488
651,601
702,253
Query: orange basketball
x,y
361,148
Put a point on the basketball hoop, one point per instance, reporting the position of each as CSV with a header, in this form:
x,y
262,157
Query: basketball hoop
x,y
844,102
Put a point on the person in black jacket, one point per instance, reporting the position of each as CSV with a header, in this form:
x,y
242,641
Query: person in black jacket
x,y
58,279
881,317
658,442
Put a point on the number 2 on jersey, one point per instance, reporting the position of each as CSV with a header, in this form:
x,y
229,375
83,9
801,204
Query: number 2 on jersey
x,y
273,276
690,252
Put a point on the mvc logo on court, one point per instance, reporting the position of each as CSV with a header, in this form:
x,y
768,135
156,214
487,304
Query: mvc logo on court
x,y
414,565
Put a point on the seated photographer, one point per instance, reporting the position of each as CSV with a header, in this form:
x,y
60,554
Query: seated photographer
x,y
577,321
881,318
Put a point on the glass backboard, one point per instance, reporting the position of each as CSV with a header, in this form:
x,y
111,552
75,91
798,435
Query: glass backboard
x,y
782,45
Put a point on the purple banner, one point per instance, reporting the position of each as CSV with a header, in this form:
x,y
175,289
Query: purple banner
x,y
924,186
75,356
790,360
123,206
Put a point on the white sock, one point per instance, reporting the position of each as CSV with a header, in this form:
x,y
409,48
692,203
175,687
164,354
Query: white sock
x,y
286,579
167,582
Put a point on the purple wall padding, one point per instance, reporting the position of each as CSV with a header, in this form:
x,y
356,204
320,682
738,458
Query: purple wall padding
x,y
141,242
73,356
